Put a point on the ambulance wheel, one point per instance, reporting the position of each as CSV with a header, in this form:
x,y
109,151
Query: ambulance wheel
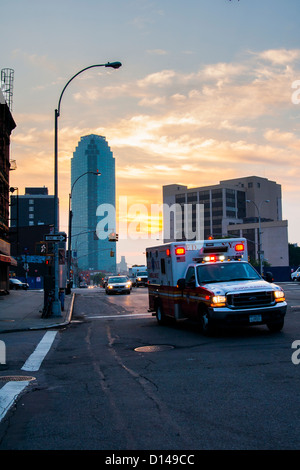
x,y
160,317
205,323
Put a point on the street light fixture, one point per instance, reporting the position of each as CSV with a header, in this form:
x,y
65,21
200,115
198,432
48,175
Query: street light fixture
x,y
259,251
97,173
56,306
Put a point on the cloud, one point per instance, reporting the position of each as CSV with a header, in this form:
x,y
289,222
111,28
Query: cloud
x,y
217,122
162,78
36,60
156,51
280,56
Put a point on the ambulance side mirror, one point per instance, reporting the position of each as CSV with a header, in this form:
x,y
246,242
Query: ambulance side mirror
x,y
269,277
181,284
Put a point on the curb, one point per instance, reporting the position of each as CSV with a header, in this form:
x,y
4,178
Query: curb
x,y
54,325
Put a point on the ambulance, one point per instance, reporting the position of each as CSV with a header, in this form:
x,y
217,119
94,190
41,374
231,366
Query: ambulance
x,y
211,282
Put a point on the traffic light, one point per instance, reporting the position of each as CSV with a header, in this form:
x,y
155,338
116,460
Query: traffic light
x,y
113,237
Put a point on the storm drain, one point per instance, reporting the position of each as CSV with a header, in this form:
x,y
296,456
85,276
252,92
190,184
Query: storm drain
x,y
154,348
16,378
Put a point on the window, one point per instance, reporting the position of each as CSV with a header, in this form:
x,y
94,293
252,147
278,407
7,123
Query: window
x,y
190,275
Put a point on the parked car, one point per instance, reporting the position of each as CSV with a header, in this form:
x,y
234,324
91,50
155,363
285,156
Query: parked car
x,y
295,276
118,285
17,284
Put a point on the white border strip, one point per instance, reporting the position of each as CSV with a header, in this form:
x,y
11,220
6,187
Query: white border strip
x,y
8,395
34,361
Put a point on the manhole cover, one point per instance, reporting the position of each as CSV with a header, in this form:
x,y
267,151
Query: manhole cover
x,y
15,378
153,348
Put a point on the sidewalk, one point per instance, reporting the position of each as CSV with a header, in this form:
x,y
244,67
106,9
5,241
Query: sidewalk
x,y
22,310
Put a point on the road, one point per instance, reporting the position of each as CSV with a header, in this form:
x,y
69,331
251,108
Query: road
x,y
115,380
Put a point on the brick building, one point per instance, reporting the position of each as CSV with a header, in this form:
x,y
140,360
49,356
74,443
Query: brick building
x,y
7,124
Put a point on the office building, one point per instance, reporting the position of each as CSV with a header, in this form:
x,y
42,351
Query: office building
x,y
92,249
35,207
235,207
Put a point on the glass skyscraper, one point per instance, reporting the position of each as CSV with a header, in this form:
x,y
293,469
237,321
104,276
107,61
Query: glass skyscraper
x,y
89,194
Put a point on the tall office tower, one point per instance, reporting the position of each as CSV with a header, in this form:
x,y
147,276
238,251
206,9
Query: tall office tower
x,y
89,194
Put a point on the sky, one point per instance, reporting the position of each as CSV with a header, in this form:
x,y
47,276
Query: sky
x,y
208,90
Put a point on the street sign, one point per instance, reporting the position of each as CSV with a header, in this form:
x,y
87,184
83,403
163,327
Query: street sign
x,y
59,237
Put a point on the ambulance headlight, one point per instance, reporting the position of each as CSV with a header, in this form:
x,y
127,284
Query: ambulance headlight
x,y
279,296
218,301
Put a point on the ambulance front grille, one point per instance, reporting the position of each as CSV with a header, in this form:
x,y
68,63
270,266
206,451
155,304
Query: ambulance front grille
x,y
250,299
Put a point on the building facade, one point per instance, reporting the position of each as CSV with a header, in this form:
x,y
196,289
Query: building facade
x,y
31,218
35,207
250,207
7,124
93,205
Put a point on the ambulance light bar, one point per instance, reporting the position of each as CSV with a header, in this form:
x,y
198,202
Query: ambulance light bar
x,y
214,258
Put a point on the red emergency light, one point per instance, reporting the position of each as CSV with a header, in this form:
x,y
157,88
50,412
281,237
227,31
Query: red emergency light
x,y
180,250
239,247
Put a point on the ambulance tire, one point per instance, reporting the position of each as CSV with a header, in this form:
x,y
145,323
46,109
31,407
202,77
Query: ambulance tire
x,y
160,317
205,323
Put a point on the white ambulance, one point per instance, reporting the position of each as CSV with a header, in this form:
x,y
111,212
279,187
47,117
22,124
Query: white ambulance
x,y
211,281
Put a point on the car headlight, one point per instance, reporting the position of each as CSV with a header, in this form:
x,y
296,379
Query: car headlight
x,y
218,301
110,287
279,296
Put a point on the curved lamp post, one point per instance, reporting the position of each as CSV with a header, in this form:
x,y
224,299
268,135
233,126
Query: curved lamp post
x,y
56,307
259,251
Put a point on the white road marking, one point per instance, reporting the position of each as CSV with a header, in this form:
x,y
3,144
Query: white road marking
x,y
8,395
141,315
34,361
10,391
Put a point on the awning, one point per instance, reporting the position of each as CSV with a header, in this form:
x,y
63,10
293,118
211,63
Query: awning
x,y
8,259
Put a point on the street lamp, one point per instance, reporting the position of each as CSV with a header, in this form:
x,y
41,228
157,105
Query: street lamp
x,y
259,251
56,307
70,218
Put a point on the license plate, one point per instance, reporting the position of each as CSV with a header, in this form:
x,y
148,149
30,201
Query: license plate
x,y
254,318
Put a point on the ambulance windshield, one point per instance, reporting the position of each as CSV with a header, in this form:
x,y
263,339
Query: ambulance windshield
x,y
225,272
